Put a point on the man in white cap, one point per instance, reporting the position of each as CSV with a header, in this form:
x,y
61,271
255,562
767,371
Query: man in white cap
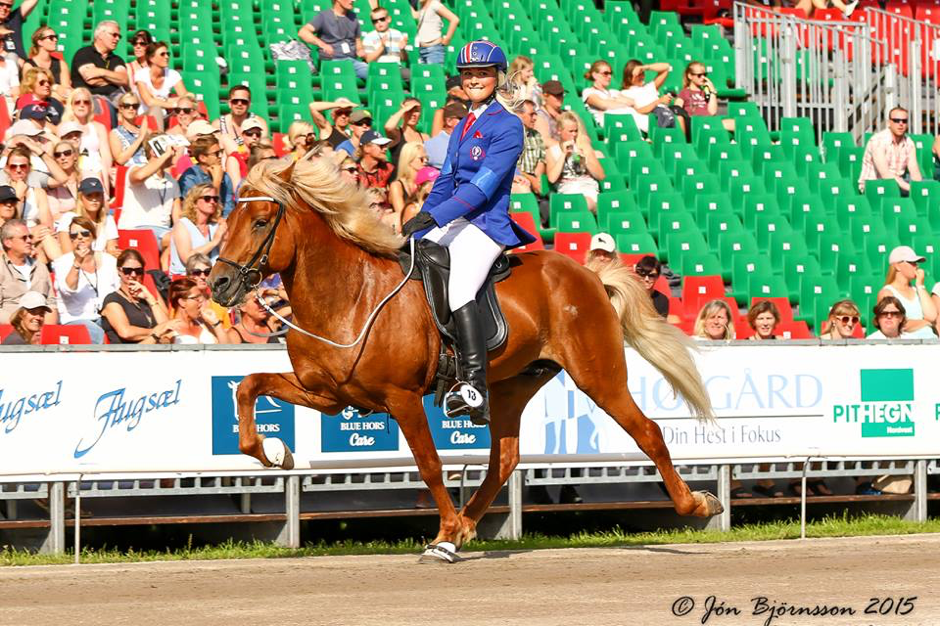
x,y
236,163
603,251
28,320
920,309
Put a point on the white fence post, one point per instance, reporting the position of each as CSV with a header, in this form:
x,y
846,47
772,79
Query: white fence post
x,y
722,522
289,537
918,510
55,540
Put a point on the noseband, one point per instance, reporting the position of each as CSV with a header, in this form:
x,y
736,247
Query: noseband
x,y
248,274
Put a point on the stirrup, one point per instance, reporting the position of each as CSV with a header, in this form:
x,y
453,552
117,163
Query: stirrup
x,y
464,399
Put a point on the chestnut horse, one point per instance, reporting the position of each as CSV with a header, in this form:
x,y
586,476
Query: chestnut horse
x,y
338,262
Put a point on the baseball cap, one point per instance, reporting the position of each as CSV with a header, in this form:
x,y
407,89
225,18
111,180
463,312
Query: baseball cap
x,y
24,127
370,136
905,253
200,128
90,185
70,127
603,241
426,174
358,115
553,87
7,193
455,109
34,112
252,122
34,300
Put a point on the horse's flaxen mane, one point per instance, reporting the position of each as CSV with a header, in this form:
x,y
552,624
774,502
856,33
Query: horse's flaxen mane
x,y
318,183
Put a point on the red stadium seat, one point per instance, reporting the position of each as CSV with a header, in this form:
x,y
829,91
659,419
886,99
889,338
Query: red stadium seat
x,y
55,335
526,221
742,330
793,330
702,288
574,245
783,305
151,122
120,178
5,329
4,117
279,148
145,242
102,111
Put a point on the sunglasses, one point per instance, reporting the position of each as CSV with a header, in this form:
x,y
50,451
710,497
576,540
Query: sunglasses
x,y
80,233
129,105
78,102
18,166
254,132
890,314
647,274
699,75
132,271
43,83
115,35
605,73
380,19
53,37
351,170
899,120
241,101
23,237
6,5
204,272
185,110
362,123
139,42
66,153
846,319
212,199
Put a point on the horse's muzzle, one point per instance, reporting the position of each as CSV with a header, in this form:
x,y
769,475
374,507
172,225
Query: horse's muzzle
x,y
226,289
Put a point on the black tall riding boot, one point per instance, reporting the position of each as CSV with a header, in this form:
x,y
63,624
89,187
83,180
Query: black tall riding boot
x,y
470,398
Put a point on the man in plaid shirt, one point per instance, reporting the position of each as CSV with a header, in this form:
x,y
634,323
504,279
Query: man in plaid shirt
x,y
891,154
531,163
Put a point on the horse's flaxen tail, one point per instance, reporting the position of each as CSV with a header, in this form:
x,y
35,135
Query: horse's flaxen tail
x,y
657,341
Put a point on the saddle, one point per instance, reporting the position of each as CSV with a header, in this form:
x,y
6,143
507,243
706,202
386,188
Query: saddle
x,y
432,267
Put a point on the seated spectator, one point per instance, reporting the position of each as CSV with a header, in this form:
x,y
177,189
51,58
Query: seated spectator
x,y
889,319
254,322
156,82
645,96
127,138
300,140
531,165
28,320
230,124
340,110
33,203
649,269
408,116
83,279
152,196
9,204
43,169
843,319
62,198
360,122
402,190
436,146
9,80
92,205
132,314
197,322
93,144
920,309
455,95
20,272
699,96
97,68
385,44
186,113
522,76
263,150
424,180
763,318
336,33
572,165
200,229
12,22
714,320
599,98
198,267
603,253
139,42
809,6
349,170
374,170
44,54
891,155
206,152
430,15
236,164
553,99
36,90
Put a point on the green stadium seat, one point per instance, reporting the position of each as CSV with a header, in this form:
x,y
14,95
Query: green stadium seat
x,y
618,222
740,188
651,185
733,244
206,86
684,249
575,222
615,202
805,207
636,244
712,204
829,247
864,292
706,184
719,152
640,167
627,151
850,163
717,224
287,114
758,205
661,207
768,155
926,196
833,143
878,190
560,202
612,182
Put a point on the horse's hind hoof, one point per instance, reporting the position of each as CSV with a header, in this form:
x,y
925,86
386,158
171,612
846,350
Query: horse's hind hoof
x,y
443,552
709,506
277,453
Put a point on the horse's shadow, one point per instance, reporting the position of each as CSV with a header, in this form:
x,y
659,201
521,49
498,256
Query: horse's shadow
x,y
494,554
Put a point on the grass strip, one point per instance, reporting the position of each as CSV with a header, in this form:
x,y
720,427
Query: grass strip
x,y
834,526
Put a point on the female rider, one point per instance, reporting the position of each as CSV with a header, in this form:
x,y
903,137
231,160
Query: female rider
x,y
468,212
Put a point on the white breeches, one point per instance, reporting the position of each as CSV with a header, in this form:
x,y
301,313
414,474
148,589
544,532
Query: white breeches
x,y
472,254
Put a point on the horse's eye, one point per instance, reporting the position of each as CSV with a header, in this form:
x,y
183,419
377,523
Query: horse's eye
x,y
261,223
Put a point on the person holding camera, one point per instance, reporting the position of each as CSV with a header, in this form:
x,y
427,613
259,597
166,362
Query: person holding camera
x,y
646,98
572,165
206,152
698,95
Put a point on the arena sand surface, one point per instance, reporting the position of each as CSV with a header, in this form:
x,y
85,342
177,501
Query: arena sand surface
x,y
630,586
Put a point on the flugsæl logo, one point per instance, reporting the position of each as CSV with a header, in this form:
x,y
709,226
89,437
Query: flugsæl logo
x,y
887,404
273,417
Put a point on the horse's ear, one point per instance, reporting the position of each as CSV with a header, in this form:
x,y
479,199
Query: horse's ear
x,y
287,173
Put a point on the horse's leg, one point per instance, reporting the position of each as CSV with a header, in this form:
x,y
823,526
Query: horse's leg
x,y
285,387
508,399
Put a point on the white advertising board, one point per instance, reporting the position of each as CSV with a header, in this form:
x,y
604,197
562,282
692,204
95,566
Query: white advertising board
x,y
175,411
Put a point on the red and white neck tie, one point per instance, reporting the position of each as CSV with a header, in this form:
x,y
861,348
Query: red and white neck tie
x,y
471,118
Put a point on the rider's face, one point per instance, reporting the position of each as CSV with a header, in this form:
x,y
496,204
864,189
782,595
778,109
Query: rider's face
x,y
478,82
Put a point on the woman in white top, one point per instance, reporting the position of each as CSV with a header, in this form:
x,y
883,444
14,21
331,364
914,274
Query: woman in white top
x,y
62,198
646,96
139,41
156,82
33,200
430,15
94,150
91,204
572,165
198,322
83,279
920,309
152,197
199,230
522,75
9,81
599,98
44,44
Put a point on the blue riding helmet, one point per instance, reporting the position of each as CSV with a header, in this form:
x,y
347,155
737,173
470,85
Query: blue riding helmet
x,y
482,54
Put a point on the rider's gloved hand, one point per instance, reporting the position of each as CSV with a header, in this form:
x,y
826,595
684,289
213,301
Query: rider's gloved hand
x,y
419,222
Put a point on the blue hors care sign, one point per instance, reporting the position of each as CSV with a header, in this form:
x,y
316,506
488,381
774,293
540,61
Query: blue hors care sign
x,y
454,433
273,418
352,431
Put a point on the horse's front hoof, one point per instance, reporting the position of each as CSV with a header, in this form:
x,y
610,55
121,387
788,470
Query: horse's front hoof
x,y
443,552
708,504
277,453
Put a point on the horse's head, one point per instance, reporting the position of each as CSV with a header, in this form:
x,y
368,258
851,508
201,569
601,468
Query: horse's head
x,y
257,245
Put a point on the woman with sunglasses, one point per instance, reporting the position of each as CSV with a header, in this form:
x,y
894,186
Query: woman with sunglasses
x,y
236,164
33,200
128,138
200,229
90,203
139,42
94,149
156,82
645,95
198,322
889,318
300,139
402,190
699,96
360,122
599,98
83,279
62,198
198,267
41,54
254,321
408,115
338,131
904,268
132,314
36,89
842,322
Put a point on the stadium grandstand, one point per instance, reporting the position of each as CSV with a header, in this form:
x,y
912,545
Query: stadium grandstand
x,y
764,198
